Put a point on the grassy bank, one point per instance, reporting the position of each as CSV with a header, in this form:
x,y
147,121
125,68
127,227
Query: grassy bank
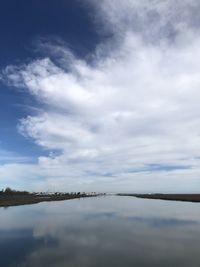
x,y
15,198
172,197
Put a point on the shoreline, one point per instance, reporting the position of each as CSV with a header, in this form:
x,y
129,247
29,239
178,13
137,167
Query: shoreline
x,y
18,200
170,197
29,199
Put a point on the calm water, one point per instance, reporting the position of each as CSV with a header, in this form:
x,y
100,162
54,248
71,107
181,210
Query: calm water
x,y
106,231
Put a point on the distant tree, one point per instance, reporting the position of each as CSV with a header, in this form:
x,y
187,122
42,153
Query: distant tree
x,y
8,191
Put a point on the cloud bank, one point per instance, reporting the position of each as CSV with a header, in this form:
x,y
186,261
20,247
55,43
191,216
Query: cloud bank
x,y
128,117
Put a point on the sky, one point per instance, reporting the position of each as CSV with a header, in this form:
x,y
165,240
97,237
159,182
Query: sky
x,y
100,95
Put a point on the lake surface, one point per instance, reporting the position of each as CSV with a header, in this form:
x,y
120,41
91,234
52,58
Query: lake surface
x,y
104,231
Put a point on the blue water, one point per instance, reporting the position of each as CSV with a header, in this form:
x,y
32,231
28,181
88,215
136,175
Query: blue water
x,y
103,231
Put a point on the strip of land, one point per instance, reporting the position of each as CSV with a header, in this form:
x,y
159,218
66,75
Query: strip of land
x,y
172,197
16,200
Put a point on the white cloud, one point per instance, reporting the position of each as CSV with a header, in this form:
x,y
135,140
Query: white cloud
x,y
135,105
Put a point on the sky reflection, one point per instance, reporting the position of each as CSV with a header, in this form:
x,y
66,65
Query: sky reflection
x,y
109,231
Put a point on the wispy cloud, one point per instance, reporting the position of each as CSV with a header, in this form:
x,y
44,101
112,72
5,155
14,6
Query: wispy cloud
x,y
134,104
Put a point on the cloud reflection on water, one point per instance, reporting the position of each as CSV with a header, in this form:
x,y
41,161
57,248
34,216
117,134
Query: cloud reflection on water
x,y
111,231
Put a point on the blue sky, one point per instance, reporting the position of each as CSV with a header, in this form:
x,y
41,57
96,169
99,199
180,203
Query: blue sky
x,y
22,24
100,95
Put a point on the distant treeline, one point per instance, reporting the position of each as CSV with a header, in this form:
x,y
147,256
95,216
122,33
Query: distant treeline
x,y
9,191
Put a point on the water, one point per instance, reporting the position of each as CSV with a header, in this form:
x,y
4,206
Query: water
x,y
105,231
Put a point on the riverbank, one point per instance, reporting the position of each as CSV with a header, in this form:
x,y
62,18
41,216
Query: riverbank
x,y
27,199
172,197
34,198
